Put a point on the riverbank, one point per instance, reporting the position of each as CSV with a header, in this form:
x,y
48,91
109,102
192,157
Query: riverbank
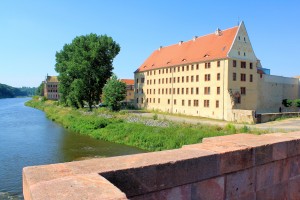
x,y
122,127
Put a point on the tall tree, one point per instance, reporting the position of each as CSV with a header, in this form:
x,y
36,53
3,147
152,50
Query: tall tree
x,y
40,90
83,67
114,92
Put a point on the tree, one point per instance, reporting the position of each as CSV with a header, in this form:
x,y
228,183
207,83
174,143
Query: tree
x,y
83,67
297,103
40,90
287,103
114,92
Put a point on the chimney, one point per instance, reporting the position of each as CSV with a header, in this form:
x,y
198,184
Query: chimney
x,y
218,32
180,42
194,38
160,48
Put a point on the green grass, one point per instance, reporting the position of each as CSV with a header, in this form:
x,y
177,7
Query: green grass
x,y
116,129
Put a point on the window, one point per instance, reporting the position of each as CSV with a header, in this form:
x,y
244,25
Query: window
x,y
137,90
218,63
218,76
174,101
218,90
142,100
182,79
192,90
142,91
186,90
150,73
162,91
159,71
197,90
243,64
244,53
154,81
159,81
197,66
163,70
182,69
166,70
206,103
166,90
234,63
217,103
182,102
196,103
166,80
178,69
150,82
243,77
192,78
170,91
153,91
251,78
197,78
189,103
137,100
187,68
207,65
243,90
158,100
154,74
178,90
158,90
192,67
251,65
162,81
174,92
178,79
174,69
187,79
168,101
137,80
206,90
142,80
207,77
182,90
174,79
153,100
234,77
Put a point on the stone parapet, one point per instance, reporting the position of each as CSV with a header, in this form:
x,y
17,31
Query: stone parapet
x,y
241,166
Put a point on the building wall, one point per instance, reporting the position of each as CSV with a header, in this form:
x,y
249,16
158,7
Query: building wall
x,y
272,90
51,90
174,89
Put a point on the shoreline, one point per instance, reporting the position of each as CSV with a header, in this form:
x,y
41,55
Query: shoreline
x,y
115,127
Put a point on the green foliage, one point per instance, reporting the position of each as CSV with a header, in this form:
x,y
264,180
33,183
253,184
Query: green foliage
x,y
287,103
155,116
230,128
117,130
245,129
7,91
114,92
40,90
83,67
297,103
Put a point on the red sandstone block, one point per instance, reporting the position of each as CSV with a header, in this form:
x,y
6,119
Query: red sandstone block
x,y
211,189
272,174
138,181
240,184
277,192
177,193
89,186
233,157
294,166
230,138
294,188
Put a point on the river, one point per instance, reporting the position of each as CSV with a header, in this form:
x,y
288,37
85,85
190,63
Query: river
x,y
28,138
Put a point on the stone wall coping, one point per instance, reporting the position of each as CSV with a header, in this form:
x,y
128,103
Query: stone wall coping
x,y
124,177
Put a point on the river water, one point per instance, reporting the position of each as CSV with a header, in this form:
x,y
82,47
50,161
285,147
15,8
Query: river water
x,y
28,138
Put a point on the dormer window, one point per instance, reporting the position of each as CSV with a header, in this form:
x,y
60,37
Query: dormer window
x,y
183,60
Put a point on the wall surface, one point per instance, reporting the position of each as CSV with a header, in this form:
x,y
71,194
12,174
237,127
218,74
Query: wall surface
x,y
241,166
272,90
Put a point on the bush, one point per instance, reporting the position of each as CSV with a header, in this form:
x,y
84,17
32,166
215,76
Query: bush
x,y
287,103
230,128
155,116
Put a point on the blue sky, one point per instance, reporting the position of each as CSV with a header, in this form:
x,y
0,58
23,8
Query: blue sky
x,y
32,31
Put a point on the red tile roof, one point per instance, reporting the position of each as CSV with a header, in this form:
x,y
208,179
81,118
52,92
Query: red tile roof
x,y
208,47
128,81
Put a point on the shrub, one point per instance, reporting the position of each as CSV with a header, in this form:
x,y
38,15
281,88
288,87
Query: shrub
x,y
155,116
230,128
287,103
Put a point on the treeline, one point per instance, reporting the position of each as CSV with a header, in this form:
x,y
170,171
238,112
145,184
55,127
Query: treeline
x,y
7,91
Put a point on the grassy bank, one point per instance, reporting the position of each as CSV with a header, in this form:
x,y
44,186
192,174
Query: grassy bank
x,y
115,128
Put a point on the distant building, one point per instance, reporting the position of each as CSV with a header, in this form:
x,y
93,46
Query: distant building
x,y
129,89
51,88
217,76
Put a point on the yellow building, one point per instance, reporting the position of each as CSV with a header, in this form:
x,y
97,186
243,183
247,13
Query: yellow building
x,y
216,76
51,88
129,90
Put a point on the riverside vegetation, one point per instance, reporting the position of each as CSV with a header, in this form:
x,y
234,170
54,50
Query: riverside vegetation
x,y
126,128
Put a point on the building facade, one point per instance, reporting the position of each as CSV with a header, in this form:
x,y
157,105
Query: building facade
x,y
129,90
51,85
216,76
